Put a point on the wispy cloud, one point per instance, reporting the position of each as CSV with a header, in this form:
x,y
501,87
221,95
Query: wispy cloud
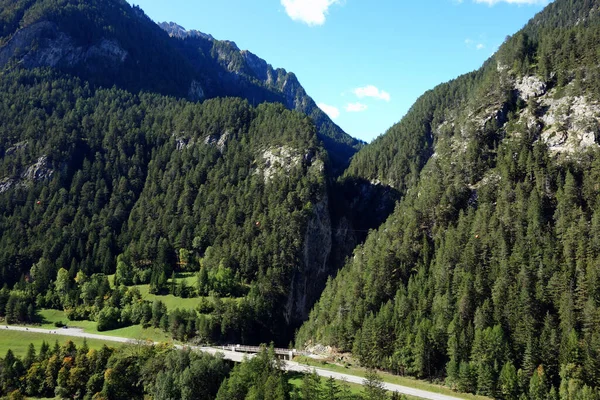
x,y
356,107
372,91
472,44
311,12
332,111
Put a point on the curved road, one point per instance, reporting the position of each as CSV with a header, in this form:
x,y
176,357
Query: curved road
x,y
238,357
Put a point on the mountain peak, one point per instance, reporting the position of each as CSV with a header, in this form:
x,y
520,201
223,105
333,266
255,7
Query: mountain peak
x,y
176,30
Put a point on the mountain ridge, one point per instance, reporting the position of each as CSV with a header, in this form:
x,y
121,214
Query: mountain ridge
x,y
111,45
486,273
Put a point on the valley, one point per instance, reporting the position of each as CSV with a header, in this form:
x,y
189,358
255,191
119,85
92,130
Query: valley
x,y
161,185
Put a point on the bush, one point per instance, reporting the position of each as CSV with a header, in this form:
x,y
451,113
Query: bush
x,y
108,319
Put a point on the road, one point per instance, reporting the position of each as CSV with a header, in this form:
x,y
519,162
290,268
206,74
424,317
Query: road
x,y
238,357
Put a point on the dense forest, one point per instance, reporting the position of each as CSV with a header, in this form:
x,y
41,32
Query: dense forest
x,y
98,182
163,373
117,177
486,275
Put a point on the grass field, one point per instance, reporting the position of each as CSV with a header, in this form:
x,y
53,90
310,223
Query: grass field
x,y
19,342
172,302
386,377
49,317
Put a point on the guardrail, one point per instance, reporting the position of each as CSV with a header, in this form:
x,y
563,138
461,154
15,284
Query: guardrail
x,y
255,349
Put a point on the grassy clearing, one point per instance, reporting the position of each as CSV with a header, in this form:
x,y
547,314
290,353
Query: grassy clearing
x,y
172,302
19,342
390,378
189,278
49,317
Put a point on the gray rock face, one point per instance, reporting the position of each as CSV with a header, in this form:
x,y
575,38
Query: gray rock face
x,y
6,184
307,281
218,141
530,86
196,93
259,67
16,148
566,124
572,123
44,45
39,171
175,30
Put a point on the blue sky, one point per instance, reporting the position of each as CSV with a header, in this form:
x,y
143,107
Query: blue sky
x,y
364,62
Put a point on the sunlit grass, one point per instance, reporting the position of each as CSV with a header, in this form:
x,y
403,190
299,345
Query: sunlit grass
x,y
18,341
49,317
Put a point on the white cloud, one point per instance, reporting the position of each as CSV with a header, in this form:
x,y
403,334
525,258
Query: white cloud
x,y
473,44
332,111
356,107
372,91
311,12
493,2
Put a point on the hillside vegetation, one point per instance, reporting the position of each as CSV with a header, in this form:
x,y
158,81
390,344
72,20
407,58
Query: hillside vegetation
x,y
162,373
166,185
486,275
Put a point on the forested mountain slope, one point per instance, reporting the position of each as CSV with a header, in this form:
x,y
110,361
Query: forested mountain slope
x,y
225,70
487,273
111,43
235,192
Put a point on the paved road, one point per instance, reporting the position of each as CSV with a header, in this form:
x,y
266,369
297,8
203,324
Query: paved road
x,y
238,357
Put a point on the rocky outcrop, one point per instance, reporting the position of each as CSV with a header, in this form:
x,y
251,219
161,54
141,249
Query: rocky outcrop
x,y
175,30
279,160
44,45
196,93
566,124
6,184
530,87
39,171
218,141
309,280
570,123
16,148
258,66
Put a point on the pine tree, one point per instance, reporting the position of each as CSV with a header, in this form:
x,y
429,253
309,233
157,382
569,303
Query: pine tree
x,y
311,386
331,391
373,386
29,356
508,384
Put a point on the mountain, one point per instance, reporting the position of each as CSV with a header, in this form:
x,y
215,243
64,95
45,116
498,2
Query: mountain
x,y
228,71
112,43
167,164
98,181
486,274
